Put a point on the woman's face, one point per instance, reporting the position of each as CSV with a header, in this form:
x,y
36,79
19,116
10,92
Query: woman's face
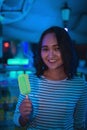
x,y
50,52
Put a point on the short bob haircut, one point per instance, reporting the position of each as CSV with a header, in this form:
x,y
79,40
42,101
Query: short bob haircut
x,y
67,49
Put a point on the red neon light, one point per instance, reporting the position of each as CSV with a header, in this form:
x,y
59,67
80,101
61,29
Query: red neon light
x,y
6,44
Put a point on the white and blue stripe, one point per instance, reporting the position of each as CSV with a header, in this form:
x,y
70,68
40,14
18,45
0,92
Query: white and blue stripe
x,y
57,105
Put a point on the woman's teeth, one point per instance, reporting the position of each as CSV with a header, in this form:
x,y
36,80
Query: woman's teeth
x,y
52,61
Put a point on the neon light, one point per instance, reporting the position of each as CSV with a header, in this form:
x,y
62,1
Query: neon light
x,y
12,74
20,72
18,61
6,44
28,72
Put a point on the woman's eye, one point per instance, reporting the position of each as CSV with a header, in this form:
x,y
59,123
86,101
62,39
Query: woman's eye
x,y
57,49
44,49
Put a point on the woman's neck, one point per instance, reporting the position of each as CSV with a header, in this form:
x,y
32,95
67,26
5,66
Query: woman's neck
x,y
55,74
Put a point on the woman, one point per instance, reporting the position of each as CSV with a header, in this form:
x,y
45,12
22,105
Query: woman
x,y
58,98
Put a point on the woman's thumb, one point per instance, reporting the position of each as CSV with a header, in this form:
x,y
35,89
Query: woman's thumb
x,y
26,97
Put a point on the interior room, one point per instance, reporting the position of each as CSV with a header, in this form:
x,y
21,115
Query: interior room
x,y
21,25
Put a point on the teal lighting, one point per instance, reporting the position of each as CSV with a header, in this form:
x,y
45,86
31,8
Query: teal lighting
x,y
20,72
13,74
28,72
18,61
65,10
1,39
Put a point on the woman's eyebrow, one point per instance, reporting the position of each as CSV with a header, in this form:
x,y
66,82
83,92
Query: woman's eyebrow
x,y
44,46
52,45
55,45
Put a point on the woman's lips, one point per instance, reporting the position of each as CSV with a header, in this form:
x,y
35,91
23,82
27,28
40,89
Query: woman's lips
x,y
52,61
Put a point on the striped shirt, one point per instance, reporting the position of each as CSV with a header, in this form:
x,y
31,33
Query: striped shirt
x,y
57,105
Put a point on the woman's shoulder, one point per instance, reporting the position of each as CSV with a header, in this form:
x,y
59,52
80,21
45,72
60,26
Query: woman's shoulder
x,y
78,78
34,81
33,76
79,81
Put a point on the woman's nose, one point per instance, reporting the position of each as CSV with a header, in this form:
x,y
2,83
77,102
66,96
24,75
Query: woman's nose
x,y
51,53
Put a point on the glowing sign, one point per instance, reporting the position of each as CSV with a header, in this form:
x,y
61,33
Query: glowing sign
x,y
18,61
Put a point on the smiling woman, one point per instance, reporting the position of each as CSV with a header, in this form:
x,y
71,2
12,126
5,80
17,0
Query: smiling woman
x,y
64,47
58,97
51,54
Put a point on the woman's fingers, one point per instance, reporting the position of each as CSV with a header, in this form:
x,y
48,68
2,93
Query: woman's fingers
x,y
25,107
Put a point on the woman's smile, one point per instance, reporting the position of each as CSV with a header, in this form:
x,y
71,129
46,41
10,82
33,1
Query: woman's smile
x,y
52,61
50,52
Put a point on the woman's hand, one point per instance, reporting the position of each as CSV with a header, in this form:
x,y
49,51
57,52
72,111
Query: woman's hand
x,y
25,110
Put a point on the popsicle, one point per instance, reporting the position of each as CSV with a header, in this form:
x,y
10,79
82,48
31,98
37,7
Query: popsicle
x,y
24,84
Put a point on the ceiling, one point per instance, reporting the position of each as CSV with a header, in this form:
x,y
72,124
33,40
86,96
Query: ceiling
x,y
25,20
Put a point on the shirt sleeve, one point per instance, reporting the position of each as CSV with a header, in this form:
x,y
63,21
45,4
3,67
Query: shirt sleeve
x,y
17,112
81,110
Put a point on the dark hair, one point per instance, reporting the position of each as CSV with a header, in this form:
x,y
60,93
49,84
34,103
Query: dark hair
x,y
67,51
